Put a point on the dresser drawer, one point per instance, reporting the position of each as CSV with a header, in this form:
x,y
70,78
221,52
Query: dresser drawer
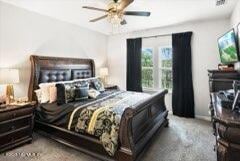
x,y
13,125
15,113
230,134
227,151
15,137
5,140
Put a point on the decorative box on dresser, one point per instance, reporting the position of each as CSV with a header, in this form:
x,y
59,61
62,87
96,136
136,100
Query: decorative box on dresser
x,y
226,123
16,125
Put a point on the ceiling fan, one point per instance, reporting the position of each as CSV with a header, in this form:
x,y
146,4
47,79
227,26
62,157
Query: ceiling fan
x,y
116,10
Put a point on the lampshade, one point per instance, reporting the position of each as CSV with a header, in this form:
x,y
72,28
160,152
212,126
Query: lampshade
x,y
9,76
103,72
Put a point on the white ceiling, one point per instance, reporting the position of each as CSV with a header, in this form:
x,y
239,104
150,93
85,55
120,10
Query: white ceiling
x,y
164,12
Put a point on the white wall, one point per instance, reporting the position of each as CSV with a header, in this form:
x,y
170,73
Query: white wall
x,y
23,33
235,18
204,56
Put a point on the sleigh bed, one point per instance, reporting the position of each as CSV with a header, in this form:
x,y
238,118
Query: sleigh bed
x,y
138,123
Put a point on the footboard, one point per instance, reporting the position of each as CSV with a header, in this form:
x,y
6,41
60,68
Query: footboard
x,y
139,124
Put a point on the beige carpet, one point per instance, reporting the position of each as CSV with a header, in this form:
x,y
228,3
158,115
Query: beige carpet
x,y
184,140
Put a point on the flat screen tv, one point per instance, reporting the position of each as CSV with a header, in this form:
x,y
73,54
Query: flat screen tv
x,y
228,48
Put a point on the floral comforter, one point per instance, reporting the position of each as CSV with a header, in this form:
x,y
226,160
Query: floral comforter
x,y
102,118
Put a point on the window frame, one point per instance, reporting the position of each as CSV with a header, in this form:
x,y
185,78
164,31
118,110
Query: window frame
x,y
153,50
160,68
157,82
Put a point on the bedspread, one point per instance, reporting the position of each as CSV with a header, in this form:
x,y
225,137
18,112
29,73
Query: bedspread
x,y
102,118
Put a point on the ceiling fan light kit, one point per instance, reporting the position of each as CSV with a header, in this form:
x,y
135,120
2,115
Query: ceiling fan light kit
x,y
115,15
115,12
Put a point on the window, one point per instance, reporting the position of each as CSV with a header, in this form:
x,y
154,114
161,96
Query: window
x,y
165,67
157,67
147,68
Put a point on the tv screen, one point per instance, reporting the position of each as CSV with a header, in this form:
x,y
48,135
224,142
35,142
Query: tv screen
x,y
228,48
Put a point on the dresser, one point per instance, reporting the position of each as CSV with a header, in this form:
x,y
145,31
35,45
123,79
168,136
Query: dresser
x,y
226,124
221,80
16,125
227,132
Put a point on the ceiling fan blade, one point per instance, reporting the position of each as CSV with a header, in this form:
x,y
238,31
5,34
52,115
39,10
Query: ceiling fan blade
x,y
94,8
99,18
137,13
123,22
124,4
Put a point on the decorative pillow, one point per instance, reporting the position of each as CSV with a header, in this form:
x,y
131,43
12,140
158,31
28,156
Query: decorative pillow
x,y
69,92
65,93
92,93
81,91
39,95
52,94
45,89
81,83
89,80
98,85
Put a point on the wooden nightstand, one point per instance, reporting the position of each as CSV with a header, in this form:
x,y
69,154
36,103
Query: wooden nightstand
x,y
111,86
16,125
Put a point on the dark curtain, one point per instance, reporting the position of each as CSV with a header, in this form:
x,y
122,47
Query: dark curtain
x,y
182,95
134,68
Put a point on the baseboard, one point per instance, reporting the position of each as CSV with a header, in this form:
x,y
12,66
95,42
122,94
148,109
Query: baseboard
x,y
206,118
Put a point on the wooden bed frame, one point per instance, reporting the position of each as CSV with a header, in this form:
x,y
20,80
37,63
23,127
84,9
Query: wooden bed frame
x,y
138,124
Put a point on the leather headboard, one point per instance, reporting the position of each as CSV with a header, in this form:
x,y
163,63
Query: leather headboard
x,y
55,69
54,75
79,74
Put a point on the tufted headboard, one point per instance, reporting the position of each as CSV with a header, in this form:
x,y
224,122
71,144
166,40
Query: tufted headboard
x,y
55,69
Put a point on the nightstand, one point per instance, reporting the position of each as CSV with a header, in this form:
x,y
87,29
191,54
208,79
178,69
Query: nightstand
x,y
111,86
16,125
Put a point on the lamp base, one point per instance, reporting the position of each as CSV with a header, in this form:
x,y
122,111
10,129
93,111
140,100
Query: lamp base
x,y
104,80
9,94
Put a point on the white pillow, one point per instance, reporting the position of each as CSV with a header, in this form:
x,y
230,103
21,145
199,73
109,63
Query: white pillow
x,y
92,93
45,91
39,95
52,94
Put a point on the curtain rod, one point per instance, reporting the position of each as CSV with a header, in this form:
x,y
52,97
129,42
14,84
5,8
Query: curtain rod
x,y
146,37
157,36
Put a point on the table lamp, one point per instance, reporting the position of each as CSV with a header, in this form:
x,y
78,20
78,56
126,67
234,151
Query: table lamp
x,y
9,77
103,74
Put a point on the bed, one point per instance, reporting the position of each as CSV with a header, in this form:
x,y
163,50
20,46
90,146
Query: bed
x,y
138,125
